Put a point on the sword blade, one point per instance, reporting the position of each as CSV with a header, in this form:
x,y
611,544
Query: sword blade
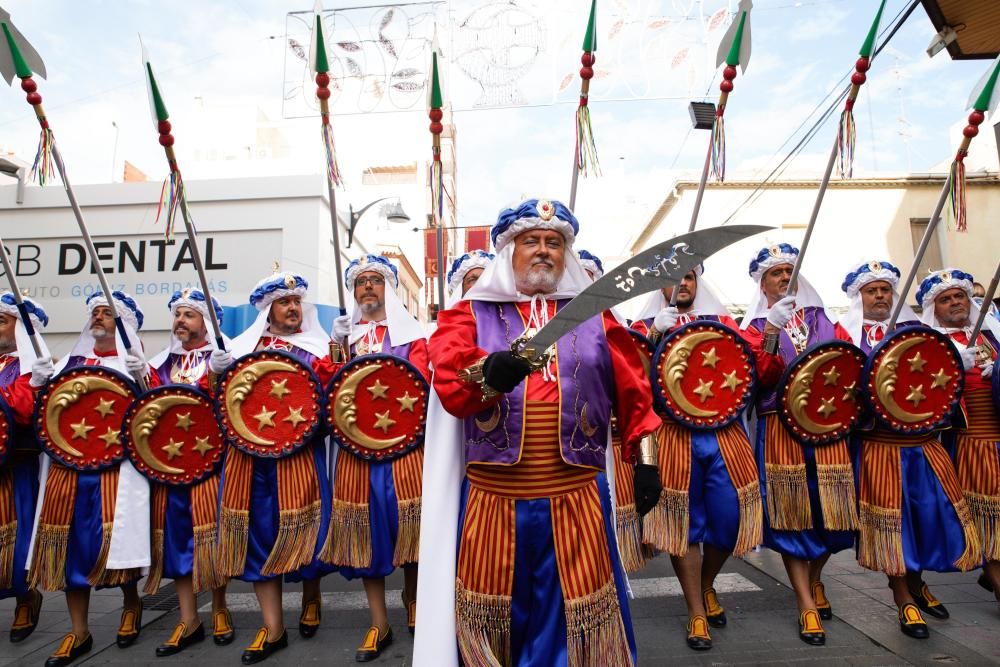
x,y
663,265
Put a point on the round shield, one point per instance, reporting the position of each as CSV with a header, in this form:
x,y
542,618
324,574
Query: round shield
x,y
6,431
703,375
378,407
78,417
646,350
269,404
817,394
172,436
913,380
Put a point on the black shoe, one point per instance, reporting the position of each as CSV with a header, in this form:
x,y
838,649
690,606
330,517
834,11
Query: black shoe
x,y
223,633
309,619
373,645
713,610
69,650
912,623
129,627
698,638
930,604
180,641
25,618
810,629
984,581
411,613
822,603
261,649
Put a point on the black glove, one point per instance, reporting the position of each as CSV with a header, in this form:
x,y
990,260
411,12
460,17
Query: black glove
x,y
647,488
504,370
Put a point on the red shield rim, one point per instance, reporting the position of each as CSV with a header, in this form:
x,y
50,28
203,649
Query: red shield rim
x,y
78,417
172,436
278,390
818,393
913,380
646,351
703,375
378,407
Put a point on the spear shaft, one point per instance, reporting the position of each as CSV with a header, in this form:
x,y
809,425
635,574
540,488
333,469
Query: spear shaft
x,y
984,309
19,300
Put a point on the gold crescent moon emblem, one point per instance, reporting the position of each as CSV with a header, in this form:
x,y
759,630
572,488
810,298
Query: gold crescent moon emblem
x,y
585,425
240,387
885,383
800,391
66,395
487,425
345,412
144,423
676,367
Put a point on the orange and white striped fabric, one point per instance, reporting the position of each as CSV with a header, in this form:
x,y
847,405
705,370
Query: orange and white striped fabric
x,y
8,525
978,465
628,526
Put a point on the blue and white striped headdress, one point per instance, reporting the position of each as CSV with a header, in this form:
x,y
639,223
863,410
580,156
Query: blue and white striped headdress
x,y
37,316
126,306
277,286
591,263
782,253
869,273
377,263
477,259
942,280
534,214
194,299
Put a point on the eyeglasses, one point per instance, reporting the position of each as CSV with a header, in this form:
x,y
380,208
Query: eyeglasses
x,y
374,280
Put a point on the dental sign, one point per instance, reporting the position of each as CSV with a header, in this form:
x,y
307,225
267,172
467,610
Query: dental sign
x,y
58,271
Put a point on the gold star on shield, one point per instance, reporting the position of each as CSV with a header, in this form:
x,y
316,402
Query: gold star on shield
x,y
916,395
826,407
264,417
704,390
202,446
110,438
831,376
709,358
378,390
173,449
849,392
731,382
383,421
279,389
184,421
917,363
81,429
294,416
406,402
105,407
941,379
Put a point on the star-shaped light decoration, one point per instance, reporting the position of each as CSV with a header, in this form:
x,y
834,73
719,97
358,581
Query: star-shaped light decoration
x,y
831,377
173,449
826,407
264,417
731,382
710,358
941,379
704,389
279,389
184,421
384,422
202,446
294,416
105,407
916,395
406,402
81,429
110,438
378,390
917,363
849,392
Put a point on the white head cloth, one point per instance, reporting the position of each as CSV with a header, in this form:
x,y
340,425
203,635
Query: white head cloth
x,y
766,259
25,352
177,347
84,345
705,302
311,338
403,327
853,320
943,280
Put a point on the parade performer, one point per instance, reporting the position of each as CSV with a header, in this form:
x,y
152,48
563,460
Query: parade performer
x,y
711,499
184,518
906,482
92,528
274,511
465,272
539,580
809,493
19,474
946,297
375,521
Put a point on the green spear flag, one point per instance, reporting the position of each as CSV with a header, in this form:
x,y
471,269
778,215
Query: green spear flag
x,y
590,38
156,105
869,45
734,49
19,58
317,48
436,100
984,99
846,132
986,95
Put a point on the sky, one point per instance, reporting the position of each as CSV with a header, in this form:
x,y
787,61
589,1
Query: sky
x,y
221,67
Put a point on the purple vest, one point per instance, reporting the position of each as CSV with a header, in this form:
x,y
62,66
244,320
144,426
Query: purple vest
x,y
586,384
401,351
163,372
820,329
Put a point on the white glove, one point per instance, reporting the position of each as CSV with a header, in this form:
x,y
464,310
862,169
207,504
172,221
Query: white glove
x,y
988,370
666,319
220,360
342,327
781,312
135,363
968,355
41,370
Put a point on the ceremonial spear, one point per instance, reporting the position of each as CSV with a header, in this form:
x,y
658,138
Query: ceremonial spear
x,y
843,147
984,99
585,153
13,61
173,197
435,102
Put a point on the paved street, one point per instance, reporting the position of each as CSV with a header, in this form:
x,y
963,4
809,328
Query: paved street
x,y
761,610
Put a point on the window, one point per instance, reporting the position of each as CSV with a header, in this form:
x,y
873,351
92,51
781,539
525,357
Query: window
x,y
932,258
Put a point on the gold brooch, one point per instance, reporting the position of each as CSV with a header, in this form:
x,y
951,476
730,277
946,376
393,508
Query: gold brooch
x,y
774,251
875,266
289,281
545,209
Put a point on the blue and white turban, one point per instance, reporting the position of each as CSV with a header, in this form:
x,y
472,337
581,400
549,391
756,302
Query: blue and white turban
x,y
195,300
126,306
477,259
376,263
868,273
38,318
772,256
591,263
534,214
766,259
853,320
278,286
942,280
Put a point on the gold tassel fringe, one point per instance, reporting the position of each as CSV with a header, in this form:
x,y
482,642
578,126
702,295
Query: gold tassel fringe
x,y
98,573
788,497
880,546
408,535
595,630
234,533
205,574
629,532
295,544
751,531
985,512
483,627
837,496
972,556
48,564
349,539
666,525
8,536
156,564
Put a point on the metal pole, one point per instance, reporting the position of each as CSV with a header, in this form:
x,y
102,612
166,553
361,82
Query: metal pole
x,y
200,267
572,185
697,207
336,246
985,308
441,264
792,282
21,308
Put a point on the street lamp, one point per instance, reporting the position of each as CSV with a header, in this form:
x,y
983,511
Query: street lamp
x,y
14,170
393,213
